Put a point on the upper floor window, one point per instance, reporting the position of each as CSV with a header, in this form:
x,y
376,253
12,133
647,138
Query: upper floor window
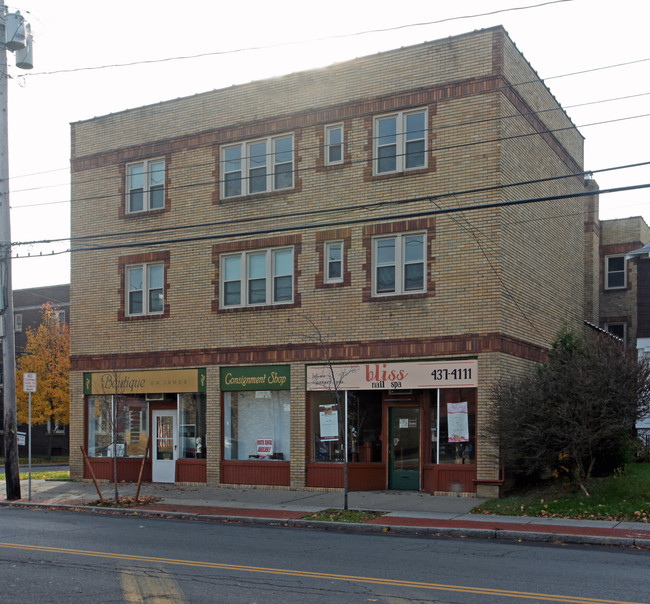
x,y
333,269
59,316
145,186
256,278
615,273
18,322
145,289
257,166
400,141
399,265
334,144
617,329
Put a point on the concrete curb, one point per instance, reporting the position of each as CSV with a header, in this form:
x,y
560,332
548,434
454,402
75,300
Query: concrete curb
x,y
385,529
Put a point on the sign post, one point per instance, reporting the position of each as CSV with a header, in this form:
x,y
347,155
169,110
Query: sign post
x,y
29,385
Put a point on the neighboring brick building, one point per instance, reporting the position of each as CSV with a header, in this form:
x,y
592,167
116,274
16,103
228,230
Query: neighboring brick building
x,y
240,239
621,295
28,306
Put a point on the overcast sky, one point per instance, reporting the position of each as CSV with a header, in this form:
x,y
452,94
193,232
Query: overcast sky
x,y
252,40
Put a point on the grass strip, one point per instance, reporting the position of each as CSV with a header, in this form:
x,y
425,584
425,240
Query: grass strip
x,y
332,515
624,496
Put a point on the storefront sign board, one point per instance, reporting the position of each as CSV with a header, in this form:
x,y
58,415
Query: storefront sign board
x,y
145,382
262,377
394,376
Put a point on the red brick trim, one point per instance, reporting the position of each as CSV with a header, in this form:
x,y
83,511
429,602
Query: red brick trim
x,y
618,249
428,96
387,228
257,244
295,122
406,348
322,237
142,258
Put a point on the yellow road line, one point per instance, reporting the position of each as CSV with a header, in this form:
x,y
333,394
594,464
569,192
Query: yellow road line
x,y
315,575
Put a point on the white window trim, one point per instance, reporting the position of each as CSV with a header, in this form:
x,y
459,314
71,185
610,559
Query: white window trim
x,y
269,277
146,193
245,166
145,289
607,272
399,265
326,261
18,322
328,129
400,151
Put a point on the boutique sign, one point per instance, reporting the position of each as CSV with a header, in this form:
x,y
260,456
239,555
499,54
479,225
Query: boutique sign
x,y
394,376
145,382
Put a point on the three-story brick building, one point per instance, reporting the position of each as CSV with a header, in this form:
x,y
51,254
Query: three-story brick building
x,y
389,235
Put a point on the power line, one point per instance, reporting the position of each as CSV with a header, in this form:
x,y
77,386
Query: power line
x,y
351,221
512,85
209,164
293,42
322,211
212,182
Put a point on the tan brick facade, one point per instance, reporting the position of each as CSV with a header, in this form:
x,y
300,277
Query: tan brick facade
x,y
500,280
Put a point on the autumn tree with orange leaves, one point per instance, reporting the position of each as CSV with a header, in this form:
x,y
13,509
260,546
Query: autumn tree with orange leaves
x,y
47,354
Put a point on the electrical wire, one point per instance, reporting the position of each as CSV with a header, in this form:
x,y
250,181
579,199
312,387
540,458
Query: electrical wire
x,y
351,221
291,42
323,211
433,129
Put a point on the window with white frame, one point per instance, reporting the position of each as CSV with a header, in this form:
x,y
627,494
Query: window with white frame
x,y
615,272
145,186
399,265
400,141
333,268
145,289
256,278
59,316
334,144
18,322
257,166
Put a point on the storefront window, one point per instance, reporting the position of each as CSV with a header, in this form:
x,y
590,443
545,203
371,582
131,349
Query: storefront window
x,y
117,425
453,427
257,425
192,425
328,426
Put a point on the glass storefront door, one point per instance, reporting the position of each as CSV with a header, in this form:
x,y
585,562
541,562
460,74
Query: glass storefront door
x,y
404,448
165,445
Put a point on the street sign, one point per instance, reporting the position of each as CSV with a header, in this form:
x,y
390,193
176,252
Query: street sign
x,y
29,382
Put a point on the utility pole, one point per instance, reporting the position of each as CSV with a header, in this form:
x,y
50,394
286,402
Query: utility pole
x,y
17,42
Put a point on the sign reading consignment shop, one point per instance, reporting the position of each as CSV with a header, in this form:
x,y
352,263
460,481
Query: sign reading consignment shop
x,y
145,382
394,376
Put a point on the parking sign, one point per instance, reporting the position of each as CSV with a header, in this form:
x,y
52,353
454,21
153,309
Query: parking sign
x,y
29,382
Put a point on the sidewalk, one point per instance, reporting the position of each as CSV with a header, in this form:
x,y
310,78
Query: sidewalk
x,y
405,512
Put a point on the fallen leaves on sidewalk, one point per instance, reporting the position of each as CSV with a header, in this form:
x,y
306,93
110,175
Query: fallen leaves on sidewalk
x,y
123,502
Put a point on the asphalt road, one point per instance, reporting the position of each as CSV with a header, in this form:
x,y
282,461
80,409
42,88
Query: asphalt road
x,y
59,557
